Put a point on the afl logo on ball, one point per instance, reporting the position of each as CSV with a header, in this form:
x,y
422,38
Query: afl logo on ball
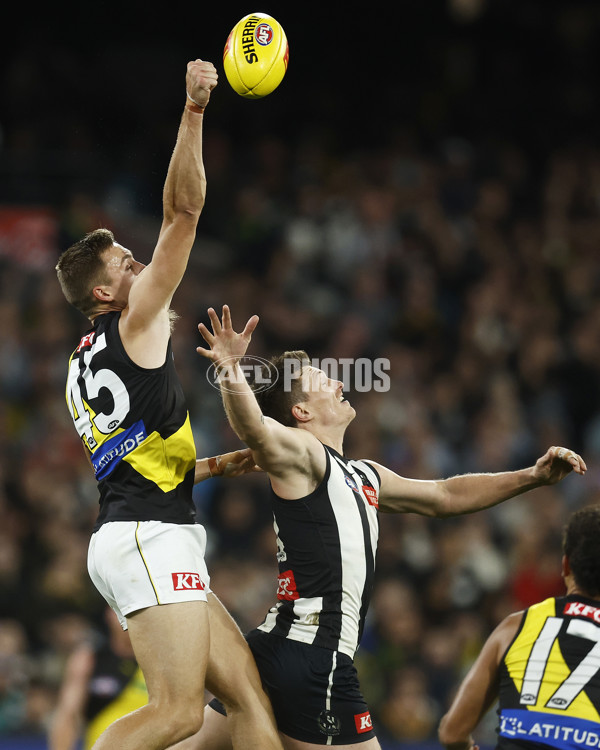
x,y
264,34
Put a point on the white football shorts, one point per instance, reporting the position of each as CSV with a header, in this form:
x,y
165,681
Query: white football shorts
x,y
138,564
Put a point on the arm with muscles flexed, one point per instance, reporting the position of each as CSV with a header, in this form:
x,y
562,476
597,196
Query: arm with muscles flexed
x,y
468,493
146,316
293,459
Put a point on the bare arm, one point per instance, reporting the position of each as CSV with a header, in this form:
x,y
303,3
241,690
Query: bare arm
x,y
67,721
183,199
232,464
478,690
468,493
293,458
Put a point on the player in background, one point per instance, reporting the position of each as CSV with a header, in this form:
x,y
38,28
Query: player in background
x,y
326,516
146,552
542,665
101,683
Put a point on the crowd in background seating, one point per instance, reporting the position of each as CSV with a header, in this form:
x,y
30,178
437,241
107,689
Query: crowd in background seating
x,y
470,264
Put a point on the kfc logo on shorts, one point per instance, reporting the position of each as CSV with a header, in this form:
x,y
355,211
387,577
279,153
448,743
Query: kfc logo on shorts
x,y
363,722
286,588
187,582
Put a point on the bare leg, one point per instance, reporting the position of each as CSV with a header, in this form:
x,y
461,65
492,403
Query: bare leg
x,y
217,730
214,735
233,677
171,645
291,744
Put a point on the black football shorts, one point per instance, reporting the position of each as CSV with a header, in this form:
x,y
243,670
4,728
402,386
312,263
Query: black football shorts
x,y
314,691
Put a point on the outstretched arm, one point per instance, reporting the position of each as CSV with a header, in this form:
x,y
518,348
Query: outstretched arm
x,y
292,457
232,464
183,199
468,493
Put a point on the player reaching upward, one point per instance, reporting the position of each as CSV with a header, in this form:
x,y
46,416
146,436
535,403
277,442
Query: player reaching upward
x,y
146,553
326,515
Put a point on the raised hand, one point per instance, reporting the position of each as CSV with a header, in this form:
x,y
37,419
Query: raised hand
x,y
226,346
200,80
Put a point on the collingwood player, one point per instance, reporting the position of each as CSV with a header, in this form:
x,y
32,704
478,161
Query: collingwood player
x,y
146,553
326,509
542,665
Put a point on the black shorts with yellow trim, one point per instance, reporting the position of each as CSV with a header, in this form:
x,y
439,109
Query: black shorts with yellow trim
x,y
314,691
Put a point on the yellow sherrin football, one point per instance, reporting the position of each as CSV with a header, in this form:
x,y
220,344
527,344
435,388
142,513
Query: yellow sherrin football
x,y
256,56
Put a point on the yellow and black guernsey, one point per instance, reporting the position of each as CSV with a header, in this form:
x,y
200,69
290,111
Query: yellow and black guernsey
x,y
135,424
549,690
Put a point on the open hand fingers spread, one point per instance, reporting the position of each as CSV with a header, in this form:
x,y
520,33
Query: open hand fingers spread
x,y
250,326
226,317
206,334
214,320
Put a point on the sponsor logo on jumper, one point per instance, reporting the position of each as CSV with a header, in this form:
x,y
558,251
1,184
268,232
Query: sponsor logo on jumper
x,y
106,458
329,723
577,609
286,586
86,340
371,495
554,730
363,722
187,581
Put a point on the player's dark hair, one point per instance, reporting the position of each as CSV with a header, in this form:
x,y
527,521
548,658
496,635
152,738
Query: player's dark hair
x,y
581,544
277,401
81,267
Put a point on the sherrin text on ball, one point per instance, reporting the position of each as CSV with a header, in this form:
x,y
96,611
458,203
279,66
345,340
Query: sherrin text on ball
x,y
256,55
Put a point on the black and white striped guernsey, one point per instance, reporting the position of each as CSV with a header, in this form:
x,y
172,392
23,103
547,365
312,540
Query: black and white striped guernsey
x,y
326,547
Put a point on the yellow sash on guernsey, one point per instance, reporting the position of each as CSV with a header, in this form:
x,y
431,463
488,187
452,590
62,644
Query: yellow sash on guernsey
x,y
165,461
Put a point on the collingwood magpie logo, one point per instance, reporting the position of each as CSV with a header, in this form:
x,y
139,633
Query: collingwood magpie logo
x,y
329,723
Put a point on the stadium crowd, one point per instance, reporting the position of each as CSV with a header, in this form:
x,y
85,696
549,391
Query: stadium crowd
x,y
469,265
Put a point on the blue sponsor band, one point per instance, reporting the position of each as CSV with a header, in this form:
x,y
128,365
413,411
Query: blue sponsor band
x,y
107,457
554,730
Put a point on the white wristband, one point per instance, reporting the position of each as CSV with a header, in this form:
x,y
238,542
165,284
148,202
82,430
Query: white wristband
x,y
194,102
